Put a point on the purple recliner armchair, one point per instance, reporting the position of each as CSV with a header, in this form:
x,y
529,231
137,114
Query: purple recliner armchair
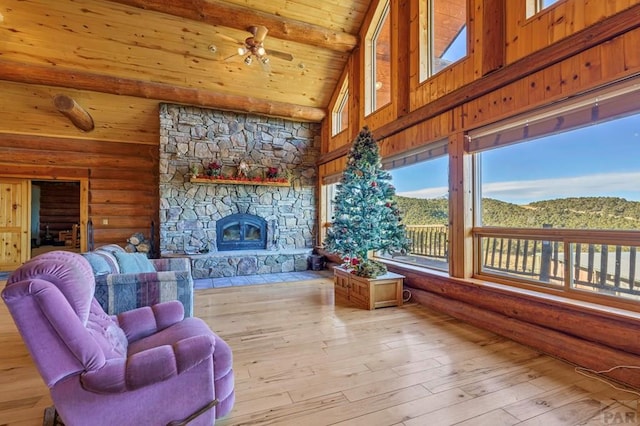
x,y
147,366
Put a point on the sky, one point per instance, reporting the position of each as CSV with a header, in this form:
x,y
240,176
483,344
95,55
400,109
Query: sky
x,y
595,161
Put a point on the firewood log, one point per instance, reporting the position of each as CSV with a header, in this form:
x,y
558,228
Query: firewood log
x,y
136,238
143,247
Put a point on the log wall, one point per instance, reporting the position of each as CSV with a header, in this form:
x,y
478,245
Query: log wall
x,y
123,178
119,157
587,336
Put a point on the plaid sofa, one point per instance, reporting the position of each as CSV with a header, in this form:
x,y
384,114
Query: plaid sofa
x,y
117,292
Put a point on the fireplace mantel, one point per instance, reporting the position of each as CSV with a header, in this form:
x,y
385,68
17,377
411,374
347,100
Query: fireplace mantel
x,y
216,181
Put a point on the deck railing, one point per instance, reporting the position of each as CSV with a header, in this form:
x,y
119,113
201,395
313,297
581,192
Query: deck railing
x,y
604,268
428,240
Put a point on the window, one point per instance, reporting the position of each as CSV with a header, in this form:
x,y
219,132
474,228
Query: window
x,y
443,36
378,60
536,6
330,183
558,200
340,113
422,193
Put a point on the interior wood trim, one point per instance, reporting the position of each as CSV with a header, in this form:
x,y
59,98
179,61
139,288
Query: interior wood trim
x,y
82,80
493,35
232,16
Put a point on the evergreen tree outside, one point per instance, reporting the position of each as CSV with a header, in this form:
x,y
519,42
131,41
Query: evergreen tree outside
x,y
366,215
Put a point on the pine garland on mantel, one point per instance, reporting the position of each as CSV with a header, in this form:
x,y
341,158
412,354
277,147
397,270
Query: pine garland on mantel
x,y
214,174
232,181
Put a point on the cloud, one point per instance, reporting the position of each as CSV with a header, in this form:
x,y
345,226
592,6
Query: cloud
x,y
625,185
597,185
437,192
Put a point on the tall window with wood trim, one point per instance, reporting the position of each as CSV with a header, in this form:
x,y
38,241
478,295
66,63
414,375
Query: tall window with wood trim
x,y
328,191
443,35
537,6
377,60
558,201
422,193
340,112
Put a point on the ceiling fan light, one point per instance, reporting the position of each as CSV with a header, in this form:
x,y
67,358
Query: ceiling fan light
x,y
248,60
261,51
241,51
265,60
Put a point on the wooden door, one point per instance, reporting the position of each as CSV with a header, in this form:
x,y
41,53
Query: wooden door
x,y
14,223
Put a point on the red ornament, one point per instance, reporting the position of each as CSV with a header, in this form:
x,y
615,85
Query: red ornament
x,y
374,184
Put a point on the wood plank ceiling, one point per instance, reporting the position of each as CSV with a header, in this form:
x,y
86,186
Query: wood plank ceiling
x,y
184,51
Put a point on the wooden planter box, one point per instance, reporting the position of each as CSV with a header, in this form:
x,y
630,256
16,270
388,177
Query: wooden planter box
x,y
369,293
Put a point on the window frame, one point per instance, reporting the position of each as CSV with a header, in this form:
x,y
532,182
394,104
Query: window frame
x,y
382,13
437,149
612,101
533,7
426,14
340,107
327,195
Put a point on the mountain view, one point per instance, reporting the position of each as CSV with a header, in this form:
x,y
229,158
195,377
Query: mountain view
x,y
577,213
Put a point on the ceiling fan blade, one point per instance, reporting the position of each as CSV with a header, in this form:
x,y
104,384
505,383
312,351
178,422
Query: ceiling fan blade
x,y
235,55
226,37
259,33
280,55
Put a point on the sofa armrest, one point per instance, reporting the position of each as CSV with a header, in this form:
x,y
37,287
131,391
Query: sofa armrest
x,y
172,264
122,292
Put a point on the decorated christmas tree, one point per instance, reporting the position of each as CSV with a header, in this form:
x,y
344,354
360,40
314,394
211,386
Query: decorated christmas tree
x,y
366,216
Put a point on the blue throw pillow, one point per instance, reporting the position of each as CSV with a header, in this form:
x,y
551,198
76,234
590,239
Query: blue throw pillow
x,y
98,263
133,263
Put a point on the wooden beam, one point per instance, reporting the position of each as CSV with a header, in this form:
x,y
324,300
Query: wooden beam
x,y
232,16
74,112
81,80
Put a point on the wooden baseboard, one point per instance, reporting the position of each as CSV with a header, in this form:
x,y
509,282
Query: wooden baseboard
x,y
584,353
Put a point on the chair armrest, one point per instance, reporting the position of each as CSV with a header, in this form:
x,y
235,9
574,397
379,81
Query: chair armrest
x,y
149,366
144,321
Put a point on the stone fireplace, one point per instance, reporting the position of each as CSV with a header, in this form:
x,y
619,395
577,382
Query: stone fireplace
x,y
230,229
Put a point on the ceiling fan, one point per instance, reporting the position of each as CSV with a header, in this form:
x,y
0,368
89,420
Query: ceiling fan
x,y
252,48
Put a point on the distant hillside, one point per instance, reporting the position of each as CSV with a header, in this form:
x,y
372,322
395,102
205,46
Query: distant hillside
x,y
577,213
420,211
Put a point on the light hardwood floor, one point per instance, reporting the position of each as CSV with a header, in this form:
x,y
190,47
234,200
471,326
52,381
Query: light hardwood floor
x,y
301,359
